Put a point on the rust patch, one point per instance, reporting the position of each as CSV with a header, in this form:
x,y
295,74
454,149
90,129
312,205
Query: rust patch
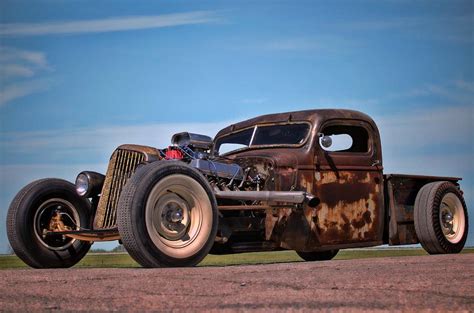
x,y
332,193
350,221
349,207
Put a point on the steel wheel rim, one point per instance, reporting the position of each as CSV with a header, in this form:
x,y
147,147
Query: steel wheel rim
x,y
171,217
44,215
452,218
189,235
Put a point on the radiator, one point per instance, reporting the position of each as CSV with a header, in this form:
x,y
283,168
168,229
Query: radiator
x,y
122,165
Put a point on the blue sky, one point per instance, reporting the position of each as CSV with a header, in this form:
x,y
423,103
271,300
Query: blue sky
x,y
78,78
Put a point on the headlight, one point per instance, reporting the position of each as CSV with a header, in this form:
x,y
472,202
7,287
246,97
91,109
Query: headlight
x,y
89,184
82,184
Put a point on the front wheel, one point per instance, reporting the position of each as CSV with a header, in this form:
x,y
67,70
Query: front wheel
x,y
318,255
167,215
440,215
39,208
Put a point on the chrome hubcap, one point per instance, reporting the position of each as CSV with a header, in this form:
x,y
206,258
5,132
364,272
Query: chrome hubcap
x,y
171,216
178,216
452,219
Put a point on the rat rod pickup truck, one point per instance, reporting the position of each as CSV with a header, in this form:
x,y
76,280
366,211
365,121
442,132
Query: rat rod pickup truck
x,y
309,181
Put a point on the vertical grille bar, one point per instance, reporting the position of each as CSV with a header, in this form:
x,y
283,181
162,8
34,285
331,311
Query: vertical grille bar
x,y
122,165
113,188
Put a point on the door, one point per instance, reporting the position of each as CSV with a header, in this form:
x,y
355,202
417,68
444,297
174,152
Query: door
x,y
349,183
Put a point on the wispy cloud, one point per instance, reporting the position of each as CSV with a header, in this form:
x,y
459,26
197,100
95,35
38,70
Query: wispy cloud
x,y
108,24
408,22
446,28
420,128
465,85
449,123
447,93
18,90
377,25
15,70
16,63
34,58
94,141
460,92
324,44
18,69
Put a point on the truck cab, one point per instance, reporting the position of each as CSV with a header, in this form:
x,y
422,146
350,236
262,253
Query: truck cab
x,y
340,162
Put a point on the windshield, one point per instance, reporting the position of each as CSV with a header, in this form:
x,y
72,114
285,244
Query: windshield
x,y
287,134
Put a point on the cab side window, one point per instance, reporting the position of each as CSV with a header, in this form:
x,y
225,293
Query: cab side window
x,y
344,138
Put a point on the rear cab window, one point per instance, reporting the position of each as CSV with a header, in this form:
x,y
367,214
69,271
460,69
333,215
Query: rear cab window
x,y
344,138
346,143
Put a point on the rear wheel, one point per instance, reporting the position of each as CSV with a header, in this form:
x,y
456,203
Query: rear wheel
x,y
441,221
318,255
43,206
167,215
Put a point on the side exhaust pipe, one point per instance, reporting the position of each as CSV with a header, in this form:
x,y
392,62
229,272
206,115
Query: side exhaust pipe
x,y
296,197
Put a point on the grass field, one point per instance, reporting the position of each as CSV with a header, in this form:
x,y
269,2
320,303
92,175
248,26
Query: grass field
x,y
124,260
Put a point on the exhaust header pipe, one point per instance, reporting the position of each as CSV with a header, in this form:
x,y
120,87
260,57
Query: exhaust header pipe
x,y
296,197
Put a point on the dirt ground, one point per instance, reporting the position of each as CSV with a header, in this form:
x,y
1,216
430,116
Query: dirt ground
x,y
439,283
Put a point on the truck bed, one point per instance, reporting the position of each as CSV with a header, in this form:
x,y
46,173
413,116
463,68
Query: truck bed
x,y
400,195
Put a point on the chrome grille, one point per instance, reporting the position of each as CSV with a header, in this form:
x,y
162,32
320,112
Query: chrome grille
x,y
122,165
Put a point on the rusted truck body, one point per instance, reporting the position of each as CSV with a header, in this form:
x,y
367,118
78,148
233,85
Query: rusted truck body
x,y
273,182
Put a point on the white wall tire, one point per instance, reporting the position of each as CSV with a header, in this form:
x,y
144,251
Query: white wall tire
x,y
440,216
167,215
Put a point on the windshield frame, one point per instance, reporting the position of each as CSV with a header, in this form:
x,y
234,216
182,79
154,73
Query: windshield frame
x,y
254,127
